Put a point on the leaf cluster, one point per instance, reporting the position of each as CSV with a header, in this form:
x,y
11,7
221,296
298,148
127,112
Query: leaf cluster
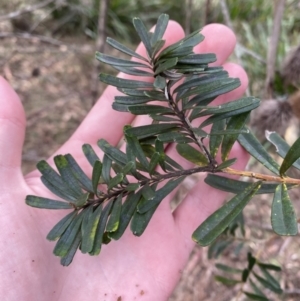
x,y
127,187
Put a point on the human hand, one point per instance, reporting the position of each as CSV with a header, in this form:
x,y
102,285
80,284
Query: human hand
x,y
133,268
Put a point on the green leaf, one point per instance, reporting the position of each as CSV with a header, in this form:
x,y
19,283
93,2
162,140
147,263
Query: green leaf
x,y
57,231
154,162
281,146
39,202
167,65
267,284
115,181
149,109
270,278
54,182
143,34
148,192
112,152
251,261
255,297
227,281
97,171
225,115
236,186
90,154
79,174
269,266
160,194
67,175
59,191
283,216
292,155
156,95
160,28
82,200
124,49
191,154
230,106
190,40
89,228
235,123
127,211
140,221
256,150
160,82
132,100
114,219
226,164
256,289
228,269
123,83
157,47
111,60
150,130
133,71
216,223
100,229
68,258
106,167
214,140
65,242
199,58
137,150
174,137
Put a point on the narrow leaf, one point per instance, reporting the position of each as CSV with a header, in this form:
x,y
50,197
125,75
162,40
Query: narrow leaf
x,y
97,171
269,266
216,223
39,202
65,242
149,109
215,141
67,175
160,82
191,154
160,28
256,150
255,297
228,269
124,49
100,229
149,130
115,181
89,231
267,284
160,194
68,258
90,154
112,152
143,34
235,123
236,186
227,281
167,65
106,167
57,231
114,219
283,216
127,211
79,174
292,155
124,83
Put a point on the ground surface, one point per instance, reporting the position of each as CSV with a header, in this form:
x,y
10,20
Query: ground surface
x,y
53,83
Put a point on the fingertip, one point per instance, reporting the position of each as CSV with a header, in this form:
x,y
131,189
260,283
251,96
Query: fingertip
x,y
238,71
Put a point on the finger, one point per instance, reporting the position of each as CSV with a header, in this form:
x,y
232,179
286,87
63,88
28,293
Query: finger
x,y
12,129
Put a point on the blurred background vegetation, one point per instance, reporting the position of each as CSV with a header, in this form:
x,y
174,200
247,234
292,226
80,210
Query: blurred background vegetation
x,y
47,54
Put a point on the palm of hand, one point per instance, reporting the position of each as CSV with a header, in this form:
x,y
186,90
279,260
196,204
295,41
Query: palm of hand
x,y
145,268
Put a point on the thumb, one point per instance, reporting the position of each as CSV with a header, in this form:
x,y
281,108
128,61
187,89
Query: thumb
x,y
12,129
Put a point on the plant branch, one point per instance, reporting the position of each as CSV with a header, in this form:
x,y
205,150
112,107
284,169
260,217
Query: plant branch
x,y
260,176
